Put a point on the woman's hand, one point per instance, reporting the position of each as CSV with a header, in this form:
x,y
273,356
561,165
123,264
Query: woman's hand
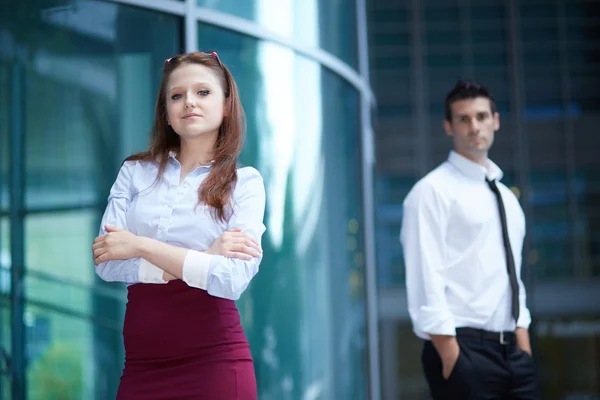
x,y
117,244
235,244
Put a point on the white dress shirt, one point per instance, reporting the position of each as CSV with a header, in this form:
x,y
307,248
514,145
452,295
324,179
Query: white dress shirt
x,y
169,212
456,273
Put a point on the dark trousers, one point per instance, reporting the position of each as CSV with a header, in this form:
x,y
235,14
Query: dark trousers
x,y
485,369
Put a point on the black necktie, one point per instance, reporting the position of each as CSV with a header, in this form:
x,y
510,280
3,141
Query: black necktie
x,y
510,260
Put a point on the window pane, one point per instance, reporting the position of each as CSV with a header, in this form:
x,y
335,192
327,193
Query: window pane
x,y
5,261
59,286
59,350
96,73
5,343
59,244
4,135
5,338
568,355
403,376
304,312
330,25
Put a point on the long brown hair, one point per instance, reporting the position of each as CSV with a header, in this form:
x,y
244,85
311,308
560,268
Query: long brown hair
x,y
217,189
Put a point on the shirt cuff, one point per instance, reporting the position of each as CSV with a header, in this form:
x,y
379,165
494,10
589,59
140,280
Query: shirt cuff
x,y
436,322
195,269
524,318
150,273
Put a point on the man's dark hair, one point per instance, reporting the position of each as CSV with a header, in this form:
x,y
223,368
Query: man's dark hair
x,y
467,90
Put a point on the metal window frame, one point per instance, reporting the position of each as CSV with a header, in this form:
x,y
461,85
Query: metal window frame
x,y
368,169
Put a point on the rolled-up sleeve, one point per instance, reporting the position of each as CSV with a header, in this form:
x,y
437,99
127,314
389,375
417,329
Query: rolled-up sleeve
x,y
424,224
133,270
524,314
228,277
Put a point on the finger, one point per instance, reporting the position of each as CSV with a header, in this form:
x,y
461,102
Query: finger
x,y
99,252
97,245
99,239
251,249
110,228
236,234
231,235
238,255
103,255
229,247
243,236
250,237
249,241
234,230
253,244
242,248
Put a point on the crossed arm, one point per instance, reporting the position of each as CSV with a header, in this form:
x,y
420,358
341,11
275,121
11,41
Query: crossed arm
x,y
224,270
120,244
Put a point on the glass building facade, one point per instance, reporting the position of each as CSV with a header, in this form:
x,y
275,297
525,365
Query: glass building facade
x,y
78,80
541,59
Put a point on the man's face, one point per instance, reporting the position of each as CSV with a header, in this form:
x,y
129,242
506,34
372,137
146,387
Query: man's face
x,y
472,127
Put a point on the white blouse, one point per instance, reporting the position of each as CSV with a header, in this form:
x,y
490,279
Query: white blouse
x,y
168,211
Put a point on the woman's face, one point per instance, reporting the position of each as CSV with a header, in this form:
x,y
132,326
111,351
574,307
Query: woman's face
x,y
194,101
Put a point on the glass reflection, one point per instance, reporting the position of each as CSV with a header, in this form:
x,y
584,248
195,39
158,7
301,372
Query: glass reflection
x,y
87,83
58,350
304,312
96,77
4,129
329,25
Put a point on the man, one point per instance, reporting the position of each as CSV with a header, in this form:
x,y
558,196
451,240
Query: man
x,y
462,236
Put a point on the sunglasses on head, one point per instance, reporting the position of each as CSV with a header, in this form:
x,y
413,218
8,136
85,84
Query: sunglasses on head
x,y
210,53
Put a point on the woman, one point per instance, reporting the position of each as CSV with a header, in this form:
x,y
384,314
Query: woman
x,y
186,221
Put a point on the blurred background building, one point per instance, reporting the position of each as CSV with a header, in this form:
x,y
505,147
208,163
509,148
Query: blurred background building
x,y
326,316
541,59
78,80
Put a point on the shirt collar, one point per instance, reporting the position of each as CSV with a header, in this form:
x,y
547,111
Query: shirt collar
x,y
473,170
173,156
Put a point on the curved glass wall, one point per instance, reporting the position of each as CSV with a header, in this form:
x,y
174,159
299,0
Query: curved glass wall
x,y
77,88
329,25
304,312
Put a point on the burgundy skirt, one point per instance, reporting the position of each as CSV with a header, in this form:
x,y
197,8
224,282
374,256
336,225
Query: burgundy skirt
x,y
182,343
